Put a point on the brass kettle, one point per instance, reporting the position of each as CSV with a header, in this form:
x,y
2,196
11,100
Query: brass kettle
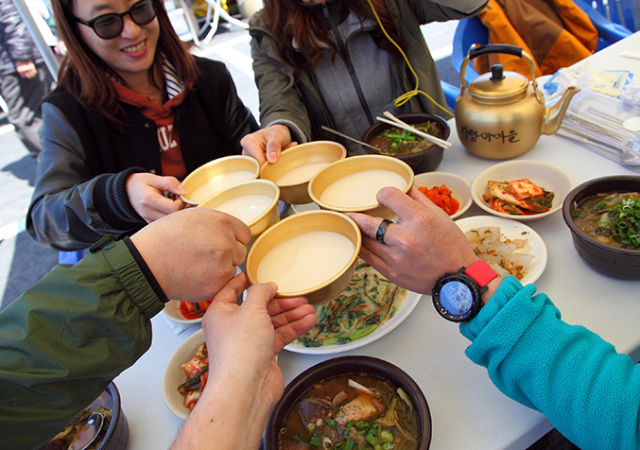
x,y
502,115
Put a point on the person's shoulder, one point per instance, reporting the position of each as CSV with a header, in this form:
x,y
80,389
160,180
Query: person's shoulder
x,y
61,97
72,108
257,21
211,66
213,76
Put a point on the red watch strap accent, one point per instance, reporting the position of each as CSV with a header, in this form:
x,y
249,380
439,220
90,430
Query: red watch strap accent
x,y
481,273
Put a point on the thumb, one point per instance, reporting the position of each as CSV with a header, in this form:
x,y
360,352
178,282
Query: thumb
x,y
232,290
273,152
259,295
275,143
400,203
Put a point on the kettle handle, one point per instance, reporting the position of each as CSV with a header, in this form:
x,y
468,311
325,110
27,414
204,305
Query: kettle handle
x,y
480,50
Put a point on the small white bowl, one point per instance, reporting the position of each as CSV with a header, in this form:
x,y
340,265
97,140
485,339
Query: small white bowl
x,y
460,187
171,311
174,376
546,176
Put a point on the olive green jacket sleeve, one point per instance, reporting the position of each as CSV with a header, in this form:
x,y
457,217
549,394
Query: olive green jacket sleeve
x,y
67,337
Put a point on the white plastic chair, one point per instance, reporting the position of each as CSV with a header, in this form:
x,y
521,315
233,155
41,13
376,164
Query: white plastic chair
x,y
214,12
183,20
4,108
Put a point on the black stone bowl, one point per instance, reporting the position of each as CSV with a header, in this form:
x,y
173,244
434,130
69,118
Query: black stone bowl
x,y
117,436
428,159
612,261
112,436
346,365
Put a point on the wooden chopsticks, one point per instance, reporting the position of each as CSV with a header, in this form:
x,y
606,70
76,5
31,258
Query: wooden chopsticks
x,y
405,126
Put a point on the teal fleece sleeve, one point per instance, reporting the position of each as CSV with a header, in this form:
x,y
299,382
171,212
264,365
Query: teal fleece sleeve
x,y
66,338
588,391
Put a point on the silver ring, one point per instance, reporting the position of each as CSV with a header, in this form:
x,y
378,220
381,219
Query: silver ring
x,y
382,229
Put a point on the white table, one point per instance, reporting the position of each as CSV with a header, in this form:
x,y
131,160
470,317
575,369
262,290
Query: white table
x,y
467,411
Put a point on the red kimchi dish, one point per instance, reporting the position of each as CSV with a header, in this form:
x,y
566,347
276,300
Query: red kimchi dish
x,y
197,372
519,197
192,311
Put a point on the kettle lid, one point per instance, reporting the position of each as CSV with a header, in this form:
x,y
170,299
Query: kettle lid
x,y
498,86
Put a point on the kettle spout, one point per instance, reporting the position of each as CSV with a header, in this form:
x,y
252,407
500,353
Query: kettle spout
x,y
554,115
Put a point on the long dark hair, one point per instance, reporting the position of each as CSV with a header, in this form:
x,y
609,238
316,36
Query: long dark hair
x,y
289,20
86,76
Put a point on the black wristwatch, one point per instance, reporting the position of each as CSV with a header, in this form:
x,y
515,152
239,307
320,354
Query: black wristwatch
x,y
458,296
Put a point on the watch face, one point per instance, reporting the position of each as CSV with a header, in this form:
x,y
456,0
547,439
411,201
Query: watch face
x,y
456,298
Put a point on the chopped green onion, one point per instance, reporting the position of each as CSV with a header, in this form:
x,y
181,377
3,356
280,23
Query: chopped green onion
x,y
315,441
330,422
349,444
361,424
350,424
386,436
331,341
371,439
388,446
311,426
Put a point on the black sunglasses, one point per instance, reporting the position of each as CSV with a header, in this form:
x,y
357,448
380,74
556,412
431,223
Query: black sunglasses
x,y
109,26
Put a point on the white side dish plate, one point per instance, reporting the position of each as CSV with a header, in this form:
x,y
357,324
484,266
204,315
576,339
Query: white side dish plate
x,y
171,311
407,307
544,175
174,376
512,229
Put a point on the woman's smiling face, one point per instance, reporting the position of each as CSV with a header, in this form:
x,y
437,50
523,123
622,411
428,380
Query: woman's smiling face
x,y
131,53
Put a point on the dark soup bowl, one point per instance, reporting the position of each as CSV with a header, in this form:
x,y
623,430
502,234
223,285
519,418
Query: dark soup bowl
x,y
591,239
359,398
425,160
114,434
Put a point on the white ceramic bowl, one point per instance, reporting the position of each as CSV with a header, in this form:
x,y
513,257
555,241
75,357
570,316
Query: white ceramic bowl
x,y
174,377
460,187
546,176
172,313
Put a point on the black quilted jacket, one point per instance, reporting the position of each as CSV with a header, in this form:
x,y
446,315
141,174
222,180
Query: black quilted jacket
x,y
16,44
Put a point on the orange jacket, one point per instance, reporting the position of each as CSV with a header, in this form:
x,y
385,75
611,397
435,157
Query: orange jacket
x,y
557,33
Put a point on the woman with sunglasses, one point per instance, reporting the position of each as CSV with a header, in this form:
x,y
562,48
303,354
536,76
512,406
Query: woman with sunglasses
x,y
134,112
341,63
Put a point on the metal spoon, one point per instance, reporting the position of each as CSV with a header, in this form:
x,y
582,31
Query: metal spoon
x,y
331,130
89,433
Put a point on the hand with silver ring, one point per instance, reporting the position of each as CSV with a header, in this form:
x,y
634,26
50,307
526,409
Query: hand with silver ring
x,y
424,242
382,229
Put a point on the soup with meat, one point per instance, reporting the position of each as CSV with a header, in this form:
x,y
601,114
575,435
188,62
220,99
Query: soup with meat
x,y
612,218
78,428
349,412
396,141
